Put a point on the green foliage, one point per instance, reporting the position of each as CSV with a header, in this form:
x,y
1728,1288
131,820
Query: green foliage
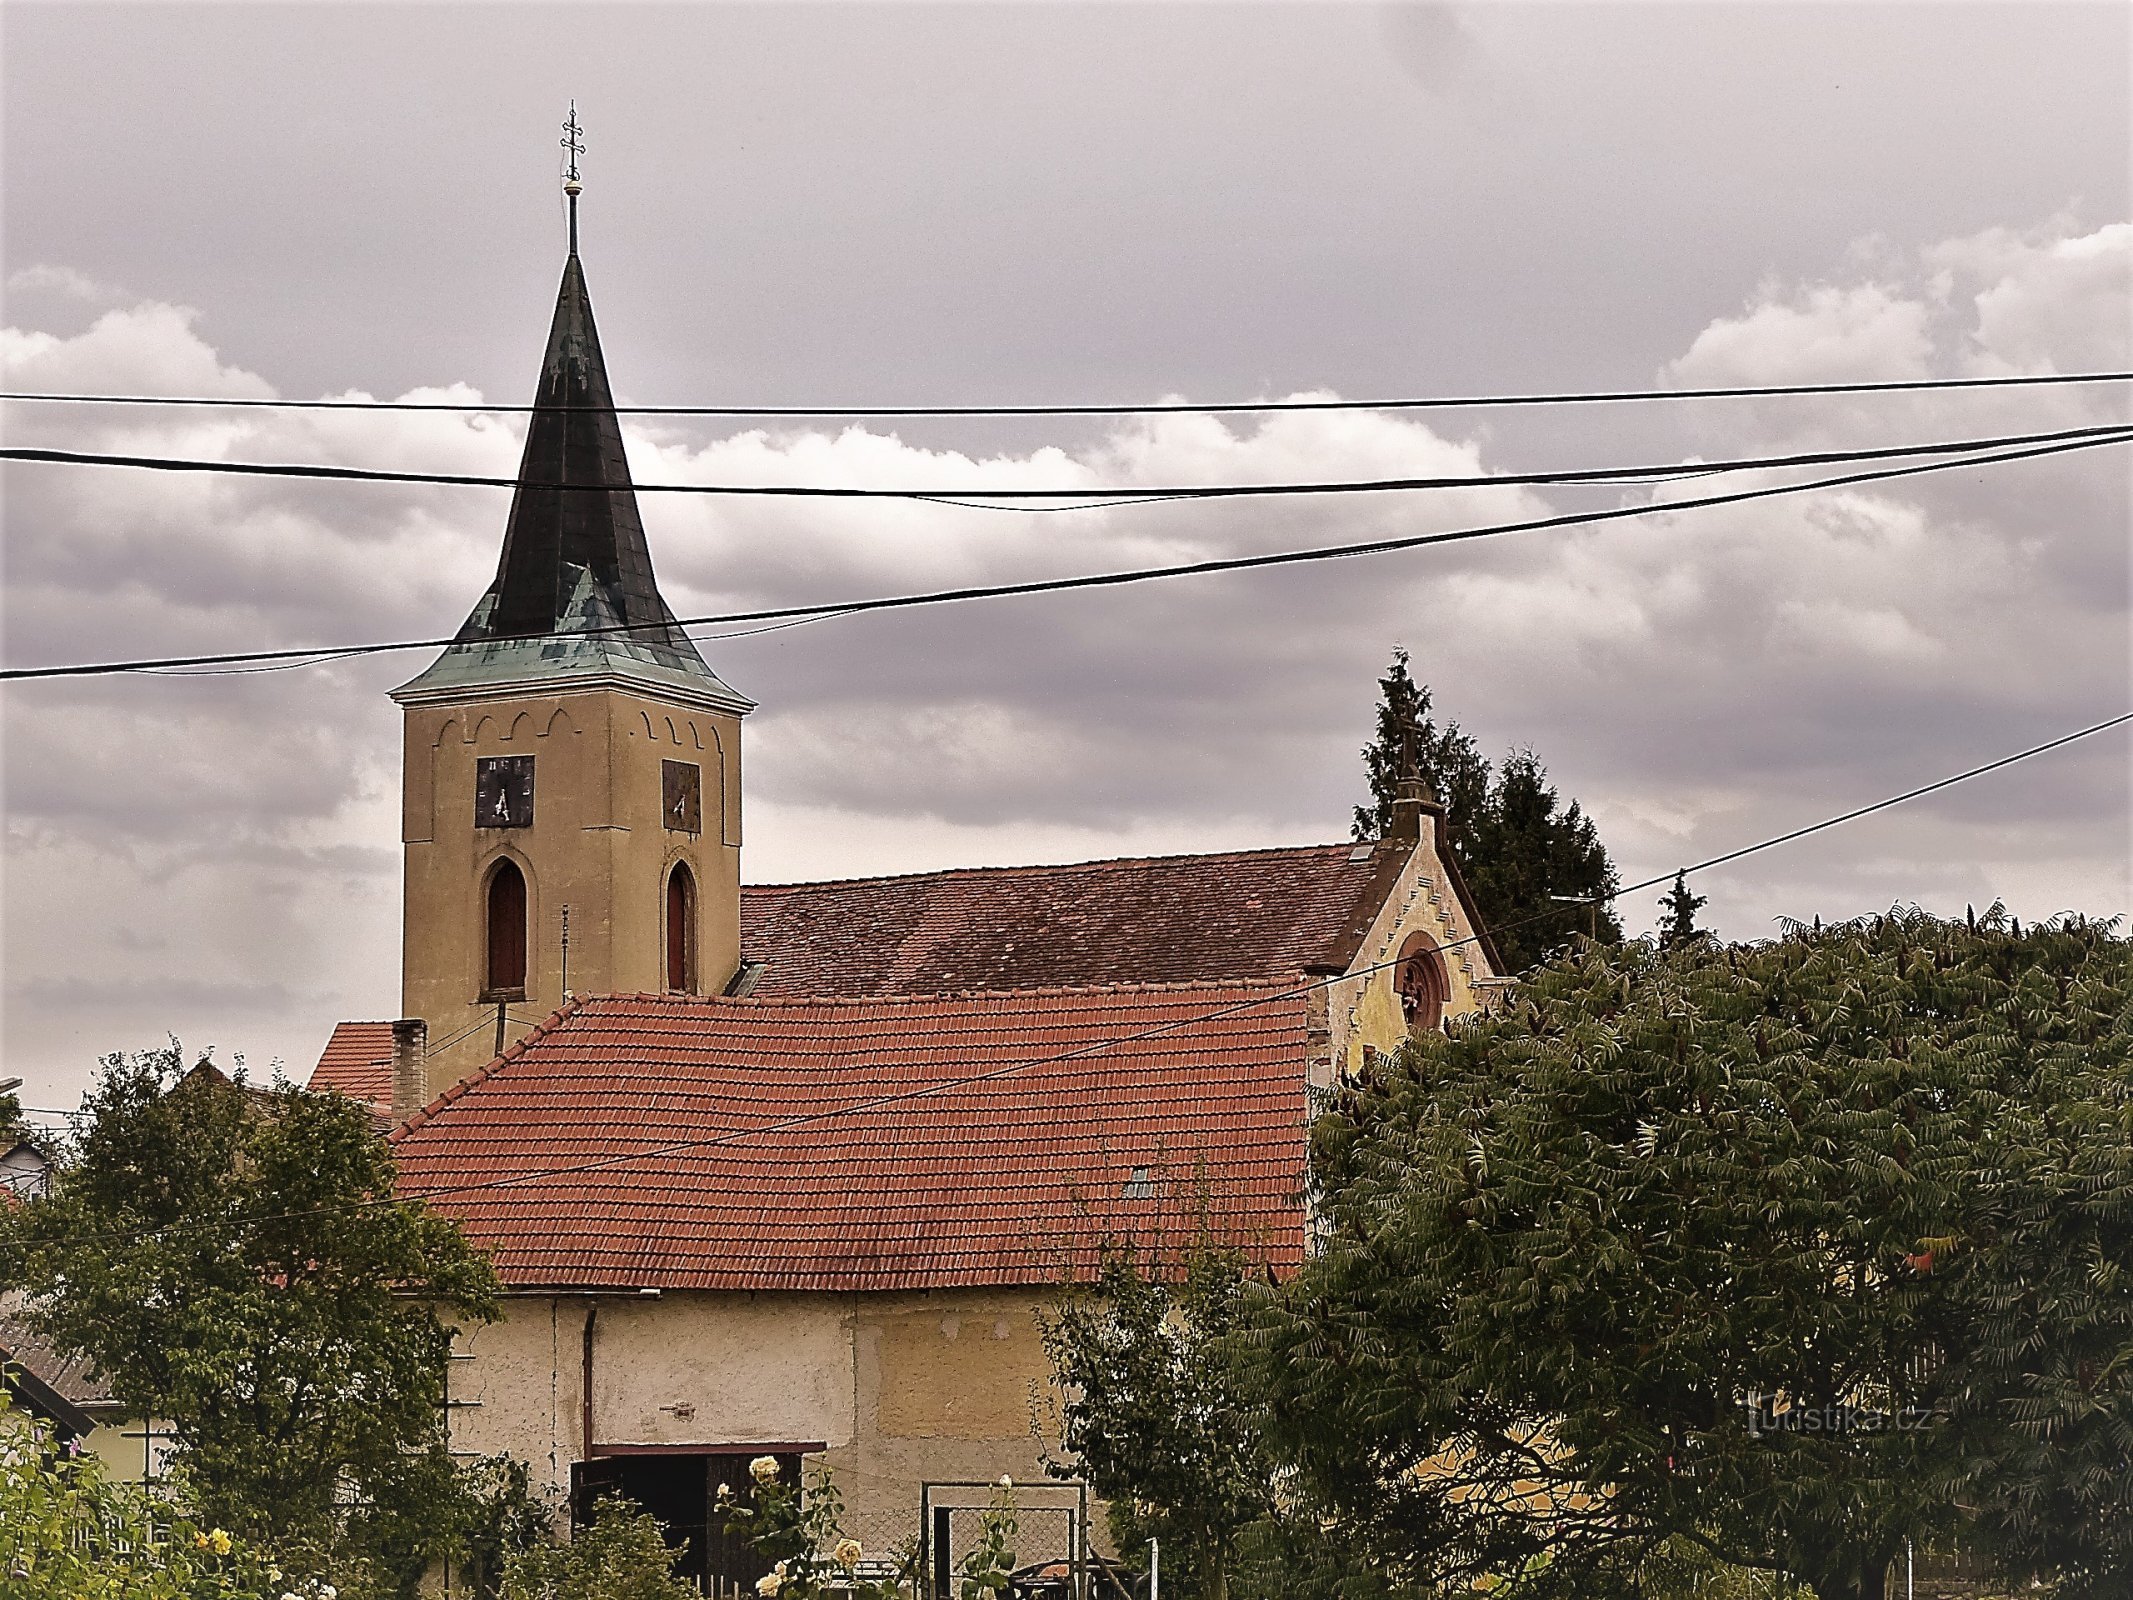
x,y
619,1554
1680,905
1680,1569
986,1566
1155,1417
1787,1252
500,1517
68,1533
800,1532
234,1261
1516,843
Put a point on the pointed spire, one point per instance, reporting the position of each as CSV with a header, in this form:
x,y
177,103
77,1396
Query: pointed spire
x,y
590,529
574,592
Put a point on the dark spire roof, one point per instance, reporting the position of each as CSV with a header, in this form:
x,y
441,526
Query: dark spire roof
x,y
554,534
574,562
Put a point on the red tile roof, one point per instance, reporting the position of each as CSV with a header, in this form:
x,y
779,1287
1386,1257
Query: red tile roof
x,y
1020,1179
358,1061
1254,914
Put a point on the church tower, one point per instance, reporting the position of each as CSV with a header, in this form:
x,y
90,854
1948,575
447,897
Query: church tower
x,y
572,779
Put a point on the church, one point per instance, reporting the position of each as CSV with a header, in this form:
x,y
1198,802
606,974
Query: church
x,y
795,1169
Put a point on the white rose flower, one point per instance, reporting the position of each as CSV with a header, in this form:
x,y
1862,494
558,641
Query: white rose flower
x,y
848,1553
768,1585
1006,1482
764,1469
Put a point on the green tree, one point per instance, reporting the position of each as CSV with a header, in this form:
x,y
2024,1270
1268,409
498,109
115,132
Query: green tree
x,y
500,1516
1446,758
619,1555
1680,905
1514,840
68,1533
235,1262
1790,1252
1155,1417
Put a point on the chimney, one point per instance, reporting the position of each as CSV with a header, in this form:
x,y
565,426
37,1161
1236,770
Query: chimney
x,y
410,1046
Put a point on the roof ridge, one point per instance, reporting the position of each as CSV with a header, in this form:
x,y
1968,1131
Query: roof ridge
x,y
1058,866
924,996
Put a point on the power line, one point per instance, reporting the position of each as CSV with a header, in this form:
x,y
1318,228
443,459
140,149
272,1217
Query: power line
x,y
1083,1051
972,498
1158,408
1367,547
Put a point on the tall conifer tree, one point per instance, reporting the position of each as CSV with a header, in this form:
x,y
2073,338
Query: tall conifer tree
x,y
1516,842
1678,926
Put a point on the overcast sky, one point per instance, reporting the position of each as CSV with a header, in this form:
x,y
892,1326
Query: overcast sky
x,y
798,204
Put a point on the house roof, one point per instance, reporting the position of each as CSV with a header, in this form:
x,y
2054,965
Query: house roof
x,y
854,1153
62,1389
1244,915
358,1061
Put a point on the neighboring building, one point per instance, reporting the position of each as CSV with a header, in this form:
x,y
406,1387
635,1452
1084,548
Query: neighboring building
x,y
794,1169
64,1391
24,1165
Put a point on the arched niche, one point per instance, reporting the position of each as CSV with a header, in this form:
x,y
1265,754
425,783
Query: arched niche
x,y
681,929
1422,983
504,903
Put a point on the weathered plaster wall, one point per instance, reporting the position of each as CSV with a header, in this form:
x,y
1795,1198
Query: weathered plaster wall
x,y
900,1388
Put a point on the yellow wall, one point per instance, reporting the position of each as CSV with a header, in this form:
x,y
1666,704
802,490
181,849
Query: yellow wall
x,y
598,844
1365,1010
900,1388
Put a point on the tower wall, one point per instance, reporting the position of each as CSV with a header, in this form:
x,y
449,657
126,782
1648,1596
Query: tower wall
x,y
599,843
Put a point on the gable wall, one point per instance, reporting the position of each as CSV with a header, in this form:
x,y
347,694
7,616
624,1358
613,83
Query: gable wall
x,y
1365,1010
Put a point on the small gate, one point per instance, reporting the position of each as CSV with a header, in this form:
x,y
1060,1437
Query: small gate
x,y
1051,1533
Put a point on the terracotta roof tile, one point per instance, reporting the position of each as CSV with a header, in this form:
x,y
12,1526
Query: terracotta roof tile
x,y
1255,914
358,1061
1020,1179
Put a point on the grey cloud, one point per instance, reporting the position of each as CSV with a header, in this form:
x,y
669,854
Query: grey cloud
x,y
1124,201
1432,43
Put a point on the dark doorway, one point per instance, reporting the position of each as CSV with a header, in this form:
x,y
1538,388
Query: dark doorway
x,y
680,1489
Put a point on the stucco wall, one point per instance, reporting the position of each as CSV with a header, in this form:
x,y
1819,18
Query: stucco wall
x,y
1365,1010
898,1388
598,843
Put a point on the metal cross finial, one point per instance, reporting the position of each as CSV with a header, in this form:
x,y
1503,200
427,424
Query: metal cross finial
x,y
574,142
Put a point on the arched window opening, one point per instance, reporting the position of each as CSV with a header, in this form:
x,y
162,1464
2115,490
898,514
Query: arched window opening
x,y
681,929
1422,983
506,945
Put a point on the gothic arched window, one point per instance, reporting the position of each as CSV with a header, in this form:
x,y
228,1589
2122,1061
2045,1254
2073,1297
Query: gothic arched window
x,y
681,929
1422,983
505,945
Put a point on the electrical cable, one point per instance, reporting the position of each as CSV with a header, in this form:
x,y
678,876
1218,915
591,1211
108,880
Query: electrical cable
x,y
1159,408
1080,1052
1093,498
1132,575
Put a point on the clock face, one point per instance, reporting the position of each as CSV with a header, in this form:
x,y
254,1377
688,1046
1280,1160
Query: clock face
x,y
503,792
681,796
